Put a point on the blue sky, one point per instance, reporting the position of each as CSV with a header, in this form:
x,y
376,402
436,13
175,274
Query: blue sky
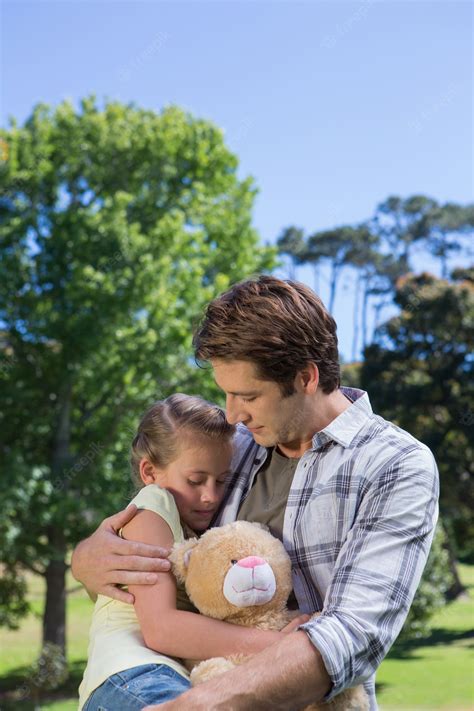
x,y
331,106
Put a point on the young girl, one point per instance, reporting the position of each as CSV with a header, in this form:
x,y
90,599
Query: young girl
x,y
181,455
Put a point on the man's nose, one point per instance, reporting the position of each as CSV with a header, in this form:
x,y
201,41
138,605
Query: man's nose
x,y
234,410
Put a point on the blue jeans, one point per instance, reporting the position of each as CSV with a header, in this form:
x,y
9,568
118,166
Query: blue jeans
x,y
133,689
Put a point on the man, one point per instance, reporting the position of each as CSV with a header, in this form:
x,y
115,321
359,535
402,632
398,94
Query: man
x,y
352,497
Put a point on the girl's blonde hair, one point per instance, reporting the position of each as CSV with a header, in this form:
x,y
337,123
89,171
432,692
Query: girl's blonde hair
x,y
159,431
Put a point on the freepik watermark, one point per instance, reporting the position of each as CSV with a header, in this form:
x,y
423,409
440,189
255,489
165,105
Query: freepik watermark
x,y
60,482
151,50
441,102
114,261
330,40
466,417
6,364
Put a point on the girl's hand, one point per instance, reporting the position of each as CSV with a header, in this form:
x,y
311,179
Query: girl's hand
x,y
295,623
104,560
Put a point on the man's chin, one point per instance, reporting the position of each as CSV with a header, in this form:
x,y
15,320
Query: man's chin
x,y
262,437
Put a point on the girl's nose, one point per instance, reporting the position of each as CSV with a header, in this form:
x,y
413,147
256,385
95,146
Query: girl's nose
x,y
209,494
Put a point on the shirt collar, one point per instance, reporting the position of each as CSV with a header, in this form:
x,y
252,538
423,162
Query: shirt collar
x,y
344,428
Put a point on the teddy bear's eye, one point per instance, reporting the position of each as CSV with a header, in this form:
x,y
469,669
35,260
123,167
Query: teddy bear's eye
x,y
233,562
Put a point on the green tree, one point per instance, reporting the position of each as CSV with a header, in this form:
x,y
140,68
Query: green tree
x,y
440,229
380,275
291,243
117,225
420,374
372,270
398,222
334,247
446,229
463,274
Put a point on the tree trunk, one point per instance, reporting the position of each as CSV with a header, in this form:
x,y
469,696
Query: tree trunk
x,y
444,265
406,254
54,618
355,338
332,290
317,280
365,301
377,309
457,588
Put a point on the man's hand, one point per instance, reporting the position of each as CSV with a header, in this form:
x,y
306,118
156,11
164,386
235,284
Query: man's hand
x,y
104,560
295,623
287,675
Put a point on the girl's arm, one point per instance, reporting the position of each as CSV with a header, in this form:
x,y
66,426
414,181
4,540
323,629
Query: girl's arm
x,y
175,632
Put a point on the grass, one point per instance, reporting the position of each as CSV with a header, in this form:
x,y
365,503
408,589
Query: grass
x,y
431,674
435,673
23,647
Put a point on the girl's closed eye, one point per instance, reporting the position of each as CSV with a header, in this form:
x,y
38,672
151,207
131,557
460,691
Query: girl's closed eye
x,y
248,399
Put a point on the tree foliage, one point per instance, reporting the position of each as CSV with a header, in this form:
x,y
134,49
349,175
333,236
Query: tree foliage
x,y
397,220
291,243
333,247
420,375
117,225
380,250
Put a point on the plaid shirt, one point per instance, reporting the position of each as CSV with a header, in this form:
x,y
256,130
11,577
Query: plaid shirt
x,y
358,527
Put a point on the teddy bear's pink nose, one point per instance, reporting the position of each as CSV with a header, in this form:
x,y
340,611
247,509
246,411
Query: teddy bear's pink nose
x,y
251,561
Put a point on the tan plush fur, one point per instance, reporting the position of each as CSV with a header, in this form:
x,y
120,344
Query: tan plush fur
x,y
203,564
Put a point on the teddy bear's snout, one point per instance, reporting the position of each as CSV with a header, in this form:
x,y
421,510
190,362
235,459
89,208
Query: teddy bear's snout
x,y
249,581
251,561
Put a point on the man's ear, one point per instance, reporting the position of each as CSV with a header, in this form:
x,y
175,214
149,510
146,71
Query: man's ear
x,y
179,557
309,378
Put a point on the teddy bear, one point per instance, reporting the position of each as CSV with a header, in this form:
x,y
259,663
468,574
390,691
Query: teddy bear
x,y
241,574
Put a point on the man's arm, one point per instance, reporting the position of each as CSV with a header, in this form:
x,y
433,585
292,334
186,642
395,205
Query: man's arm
x,y
378,570
375,578
287,675
104,560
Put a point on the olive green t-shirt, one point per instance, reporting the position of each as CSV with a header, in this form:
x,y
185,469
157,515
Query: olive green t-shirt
x,y
267,499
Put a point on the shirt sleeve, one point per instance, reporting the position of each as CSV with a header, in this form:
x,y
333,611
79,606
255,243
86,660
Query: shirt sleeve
x,y
378,570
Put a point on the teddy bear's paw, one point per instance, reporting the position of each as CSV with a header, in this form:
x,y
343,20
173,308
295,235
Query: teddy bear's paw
x,y
355,699
210,668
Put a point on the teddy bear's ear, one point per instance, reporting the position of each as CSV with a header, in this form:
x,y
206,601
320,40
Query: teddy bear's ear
x,y
179,557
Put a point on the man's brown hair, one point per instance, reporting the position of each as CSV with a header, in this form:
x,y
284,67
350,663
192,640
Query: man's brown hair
x,y
280,326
